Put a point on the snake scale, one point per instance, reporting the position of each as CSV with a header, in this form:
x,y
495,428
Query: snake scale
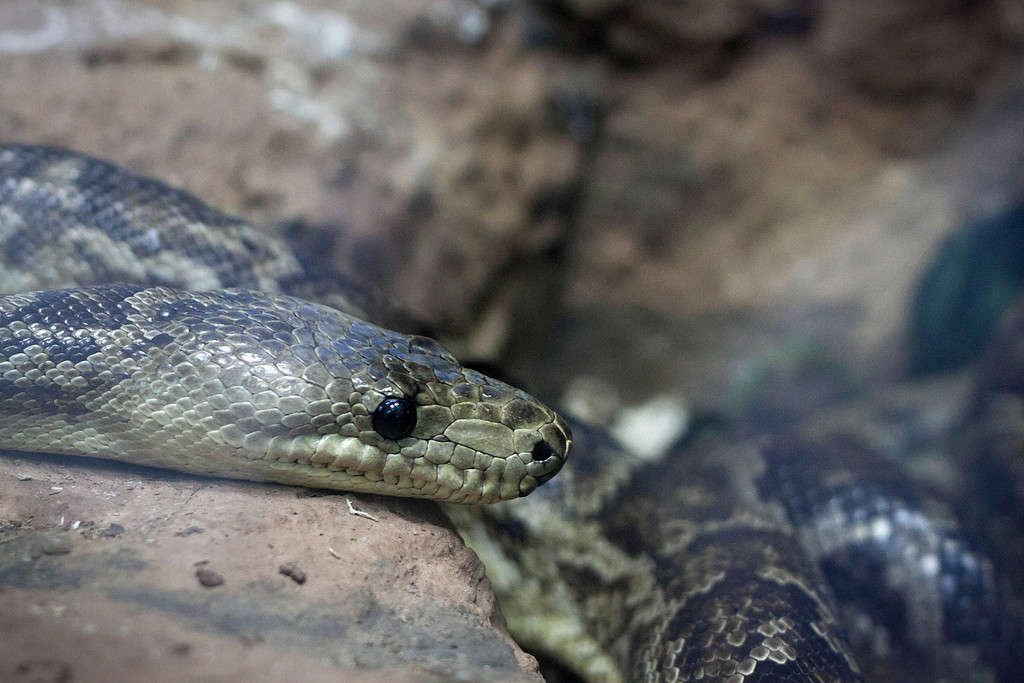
x,y
163,332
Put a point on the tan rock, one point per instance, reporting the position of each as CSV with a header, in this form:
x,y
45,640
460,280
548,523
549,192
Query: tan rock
x,y
107,568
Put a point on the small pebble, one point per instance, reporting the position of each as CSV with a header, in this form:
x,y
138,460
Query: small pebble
x,y
208,578
293,572
55,544
113,530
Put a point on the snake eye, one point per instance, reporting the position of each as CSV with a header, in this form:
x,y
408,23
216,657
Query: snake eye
x,y
395,418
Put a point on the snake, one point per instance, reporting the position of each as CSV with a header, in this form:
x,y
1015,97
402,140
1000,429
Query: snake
x,y
139,324
228,376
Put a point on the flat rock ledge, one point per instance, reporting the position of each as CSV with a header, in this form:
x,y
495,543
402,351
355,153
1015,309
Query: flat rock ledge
x,y
115,572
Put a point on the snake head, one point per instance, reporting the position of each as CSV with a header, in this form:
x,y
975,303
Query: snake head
x,y
431,427
346,404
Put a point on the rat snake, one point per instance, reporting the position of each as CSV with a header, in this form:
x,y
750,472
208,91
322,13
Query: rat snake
x,y
707,565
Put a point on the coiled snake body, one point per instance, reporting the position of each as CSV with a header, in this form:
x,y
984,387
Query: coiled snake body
x,y
704,567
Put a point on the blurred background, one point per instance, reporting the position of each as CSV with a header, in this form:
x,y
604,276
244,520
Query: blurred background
x,y
754,207
654,195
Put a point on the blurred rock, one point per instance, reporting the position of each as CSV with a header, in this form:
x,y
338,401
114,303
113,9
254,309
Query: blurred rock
x,y
921,48
975,278
418,131
639,33
504,164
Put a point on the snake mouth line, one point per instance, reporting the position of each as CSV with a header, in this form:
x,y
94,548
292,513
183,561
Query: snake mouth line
x,y
349,463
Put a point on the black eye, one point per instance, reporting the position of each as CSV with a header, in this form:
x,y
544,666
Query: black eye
x,y
395,418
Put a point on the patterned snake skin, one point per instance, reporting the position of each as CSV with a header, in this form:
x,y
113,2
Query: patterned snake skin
x,y
733,560
710,564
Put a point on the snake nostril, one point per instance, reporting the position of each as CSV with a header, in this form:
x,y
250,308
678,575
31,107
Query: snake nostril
x,y
542,451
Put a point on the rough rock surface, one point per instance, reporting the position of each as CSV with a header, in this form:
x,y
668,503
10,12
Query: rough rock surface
x,y
139,574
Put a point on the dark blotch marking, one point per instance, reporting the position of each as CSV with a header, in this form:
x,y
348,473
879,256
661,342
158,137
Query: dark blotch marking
x,y
68,315
156,220
873,488
57,349
49,399
98,307
510,528
764,600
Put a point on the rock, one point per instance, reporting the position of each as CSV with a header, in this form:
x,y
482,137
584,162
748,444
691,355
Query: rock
x,y
208,578
294,573
55,544
905,48
113,530
399,598
384,125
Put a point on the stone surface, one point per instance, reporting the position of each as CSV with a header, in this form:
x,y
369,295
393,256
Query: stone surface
x,y
190,588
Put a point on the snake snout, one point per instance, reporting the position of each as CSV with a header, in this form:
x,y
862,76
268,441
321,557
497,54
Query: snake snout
x,y
550,452
546,461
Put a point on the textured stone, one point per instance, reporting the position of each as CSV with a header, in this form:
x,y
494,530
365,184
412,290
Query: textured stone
x,y
382,600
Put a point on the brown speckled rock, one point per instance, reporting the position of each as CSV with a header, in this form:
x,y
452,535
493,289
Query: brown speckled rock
x,y
396,599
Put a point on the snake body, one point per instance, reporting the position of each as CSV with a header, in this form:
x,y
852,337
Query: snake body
x,y
793,558
708,565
